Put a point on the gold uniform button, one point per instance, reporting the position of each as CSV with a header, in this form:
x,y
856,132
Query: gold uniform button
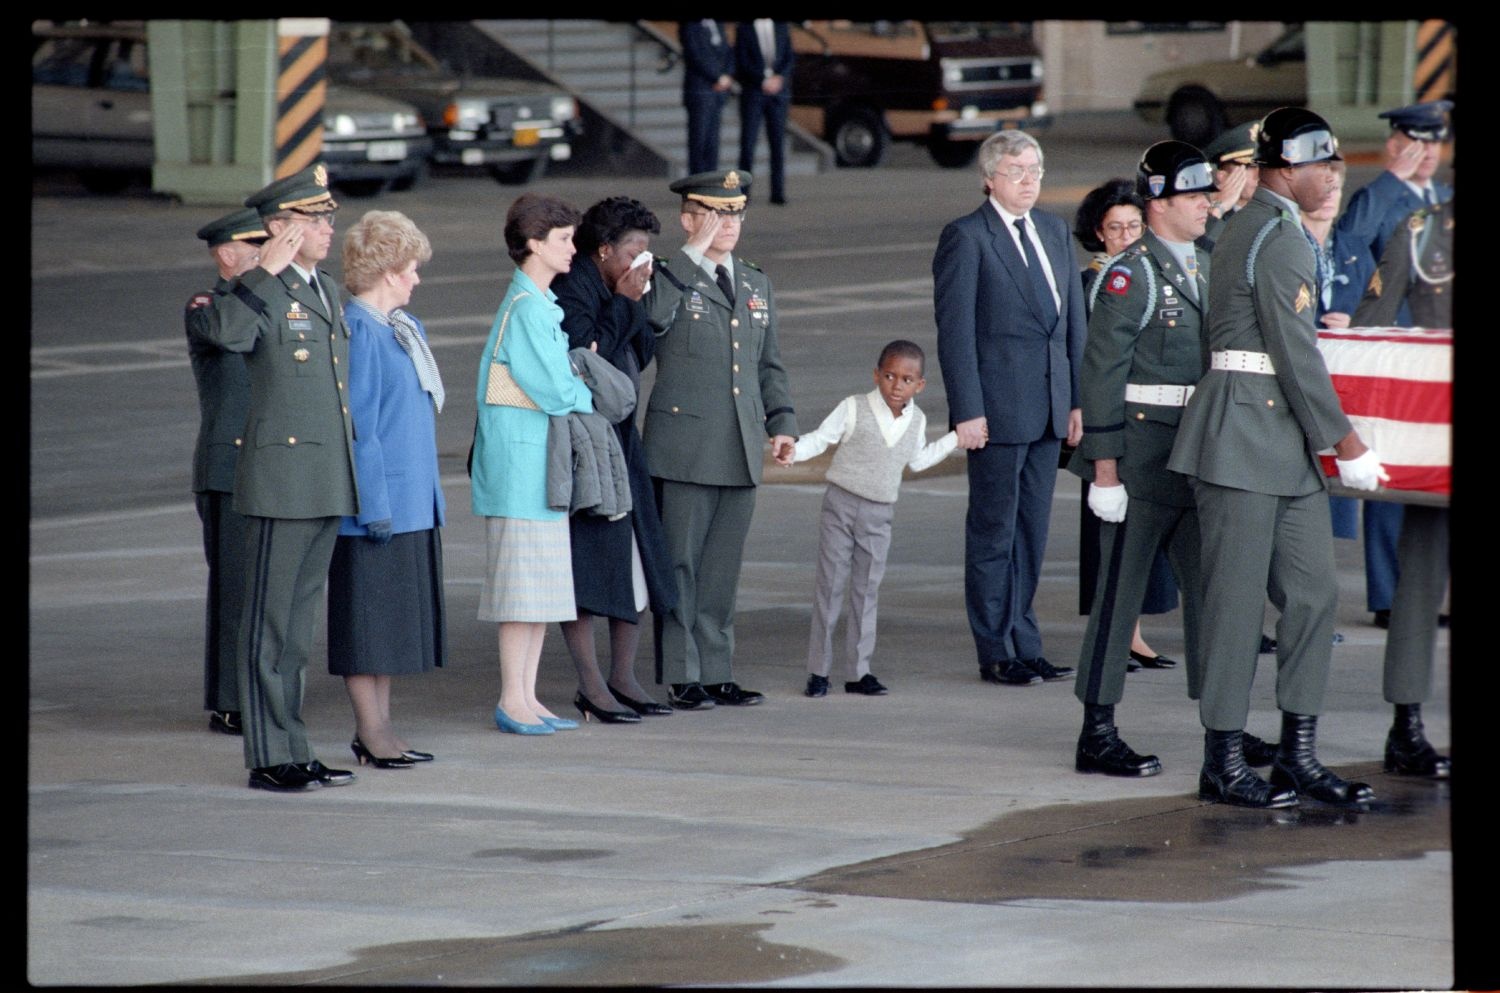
x,y
301,336
1270,403
736,391
1171,324
696,317
736,346
238,442
335,360
734,322
736,367
345,409
676,409
1140,415
291,441
341,384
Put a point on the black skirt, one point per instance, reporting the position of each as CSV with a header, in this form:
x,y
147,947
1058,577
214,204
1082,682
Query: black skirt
x,y
385,605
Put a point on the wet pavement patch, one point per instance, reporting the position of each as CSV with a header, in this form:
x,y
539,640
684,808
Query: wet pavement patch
x,y
1166,849
544,854
584,956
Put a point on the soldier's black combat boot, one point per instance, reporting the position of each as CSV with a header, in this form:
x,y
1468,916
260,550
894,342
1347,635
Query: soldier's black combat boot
x,y
1101,750
1407,751
1297,766
1227,779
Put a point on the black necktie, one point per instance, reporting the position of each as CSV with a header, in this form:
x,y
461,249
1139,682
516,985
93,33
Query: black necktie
x,y
721,276
1039,284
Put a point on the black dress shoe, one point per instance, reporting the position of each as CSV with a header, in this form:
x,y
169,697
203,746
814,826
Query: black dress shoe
x,y
283,779
225,722
588,710
778,200
689,696
1267,645
1100,748
1152,661
816,685
1407,750
1131,665
646,708
1051,673
866,684
730,695
325,775
1382,619
1257,751
1008,672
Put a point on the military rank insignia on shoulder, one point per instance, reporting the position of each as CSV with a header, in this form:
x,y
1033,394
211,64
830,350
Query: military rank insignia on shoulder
x,y
750,264
1117,280
1303,300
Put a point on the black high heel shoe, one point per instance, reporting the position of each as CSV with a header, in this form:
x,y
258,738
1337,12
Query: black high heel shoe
x,y
412,755
367,758
587,709
646,708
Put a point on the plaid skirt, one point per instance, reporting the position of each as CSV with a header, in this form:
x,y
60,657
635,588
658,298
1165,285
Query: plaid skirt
x,y
528,572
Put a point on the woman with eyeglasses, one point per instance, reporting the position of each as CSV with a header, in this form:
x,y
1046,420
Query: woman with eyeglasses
x,y
1109,220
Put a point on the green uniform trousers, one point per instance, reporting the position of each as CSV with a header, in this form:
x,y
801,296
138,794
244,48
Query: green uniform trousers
x,y
1256,545
1410,643
1126,553
705,528
224,549
286,569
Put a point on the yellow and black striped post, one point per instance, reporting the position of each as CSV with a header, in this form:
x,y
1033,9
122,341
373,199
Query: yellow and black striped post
x,y
301,88
1437,61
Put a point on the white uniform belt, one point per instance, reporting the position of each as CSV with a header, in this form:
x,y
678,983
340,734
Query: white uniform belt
x,y
1158,396
1231,360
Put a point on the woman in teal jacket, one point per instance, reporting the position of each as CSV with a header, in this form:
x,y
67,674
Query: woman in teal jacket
x,y
528,579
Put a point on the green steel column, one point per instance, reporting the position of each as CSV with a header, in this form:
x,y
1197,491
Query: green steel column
x,y
1357,69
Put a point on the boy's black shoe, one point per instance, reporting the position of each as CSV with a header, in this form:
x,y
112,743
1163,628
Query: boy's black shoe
x,y
817,685
867,684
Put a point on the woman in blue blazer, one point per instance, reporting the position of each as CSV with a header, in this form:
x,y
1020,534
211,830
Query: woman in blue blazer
x,y
528,579
385,583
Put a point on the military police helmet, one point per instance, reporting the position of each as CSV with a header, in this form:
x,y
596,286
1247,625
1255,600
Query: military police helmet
x,y
1294,136
1172,167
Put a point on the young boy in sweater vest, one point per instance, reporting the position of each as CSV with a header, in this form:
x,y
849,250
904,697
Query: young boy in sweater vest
x,y
878,434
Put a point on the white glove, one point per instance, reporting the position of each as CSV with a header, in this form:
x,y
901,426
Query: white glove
x,y
1108,502
1364,472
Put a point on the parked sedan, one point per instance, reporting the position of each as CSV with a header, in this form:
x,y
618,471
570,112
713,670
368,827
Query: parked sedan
x,y
91,112
1200,101
512,127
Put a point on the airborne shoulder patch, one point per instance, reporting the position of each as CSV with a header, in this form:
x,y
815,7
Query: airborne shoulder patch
x,y
1117,281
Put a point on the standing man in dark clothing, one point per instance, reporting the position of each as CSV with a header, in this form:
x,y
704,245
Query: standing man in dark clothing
x,y
295,479
1141,363
234,241
1011,327
707,77
1249,437
1417,271
763,65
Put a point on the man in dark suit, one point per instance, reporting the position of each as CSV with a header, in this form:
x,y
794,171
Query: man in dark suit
x,y
1011,328
763,65
234,242
707,77
295,479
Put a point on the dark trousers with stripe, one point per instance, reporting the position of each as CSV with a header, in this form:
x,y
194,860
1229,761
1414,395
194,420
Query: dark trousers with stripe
x,y
1126,553
224,549
286,569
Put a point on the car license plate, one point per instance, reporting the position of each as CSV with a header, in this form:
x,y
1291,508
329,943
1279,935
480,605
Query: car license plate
x,y
526,137
386,151
471,156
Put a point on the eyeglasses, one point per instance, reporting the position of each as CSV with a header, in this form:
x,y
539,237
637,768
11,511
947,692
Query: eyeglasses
x,y
313,220
1017,173
728,215
1116,229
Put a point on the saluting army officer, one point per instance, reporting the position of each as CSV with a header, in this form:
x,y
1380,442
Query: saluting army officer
x,y
1232,154
295,478
1249,436
234,242
1141,362
720,391
1417,269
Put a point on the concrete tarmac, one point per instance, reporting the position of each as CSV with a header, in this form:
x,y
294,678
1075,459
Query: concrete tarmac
x,y
937,836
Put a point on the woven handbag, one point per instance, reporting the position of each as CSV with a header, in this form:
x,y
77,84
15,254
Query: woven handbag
x,y
501,389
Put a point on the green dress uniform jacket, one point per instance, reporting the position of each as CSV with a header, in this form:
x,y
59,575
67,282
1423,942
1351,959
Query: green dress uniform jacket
x,y
297,460
223,396
1245,430
1425,237
1145,330
721,389
1249,439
